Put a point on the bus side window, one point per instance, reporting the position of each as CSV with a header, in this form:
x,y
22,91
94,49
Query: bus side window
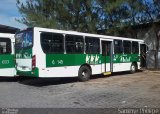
x,y
52,43
118,49
74,44
92,45
5,46
46,42
127,47
135,47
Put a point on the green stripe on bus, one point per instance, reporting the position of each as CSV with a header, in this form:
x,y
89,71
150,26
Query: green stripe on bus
x,y
126,58
7,61
24,54
58,60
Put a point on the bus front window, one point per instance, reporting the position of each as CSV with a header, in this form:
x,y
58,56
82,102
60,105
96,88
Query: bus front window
x,y
24,39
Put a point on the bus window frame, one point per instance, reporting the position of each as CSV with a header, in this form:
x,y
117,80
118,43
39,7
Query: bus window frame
x,y
138,47
121,46
74,37
53,52
99,45
8,41
130,46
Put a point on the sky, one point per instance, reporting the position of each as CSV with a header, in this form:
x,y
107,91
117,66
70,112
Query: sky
x,y
8,14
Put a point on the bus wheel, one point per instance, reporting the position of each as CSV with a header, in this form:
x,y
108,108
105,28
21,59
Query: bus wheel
x,y
84,73
133,68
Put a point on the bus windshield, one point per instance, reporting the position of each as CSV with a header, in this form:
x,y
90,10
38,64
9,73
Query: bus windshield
x,y
24,39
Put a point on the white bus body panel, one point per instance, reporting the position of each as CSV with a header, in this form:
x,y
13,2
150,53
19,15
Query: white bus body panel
x,y
8,72
24,64
118,67
68,71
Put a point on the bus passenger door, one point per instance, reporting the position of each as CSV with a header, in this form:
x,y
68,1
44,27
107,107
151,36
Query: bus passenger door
x,y
107,55
143,51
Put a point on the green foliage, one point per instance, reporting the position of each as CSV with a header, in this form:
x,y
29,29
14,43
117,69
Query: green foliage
x,y
79,15
114,16
37,13
88,15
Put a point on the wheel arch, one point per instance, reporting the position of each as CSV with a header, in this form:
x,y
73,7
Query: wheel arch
x,y
134,62
88,65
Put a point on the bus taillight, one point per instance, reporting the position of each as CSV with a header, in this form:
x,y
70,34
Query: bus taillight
x,y
33,62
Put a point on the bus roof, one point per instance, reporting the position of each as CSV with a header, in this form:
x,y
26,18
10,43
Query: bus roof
x,y
6,35
85,34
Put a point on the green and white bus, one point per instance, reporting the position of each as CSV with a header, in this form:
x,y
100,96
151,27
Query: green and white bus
x,y
43,52
7,58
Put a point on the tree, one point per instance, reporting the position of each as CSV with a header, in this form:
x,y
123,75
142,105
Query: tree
x,y
78,15
38,13
92,15
121,14
126,14
150,14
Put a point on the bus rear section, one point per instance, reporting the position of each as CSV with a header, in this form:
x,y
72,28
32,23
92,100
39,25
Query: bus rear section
x,y
25,61
7,60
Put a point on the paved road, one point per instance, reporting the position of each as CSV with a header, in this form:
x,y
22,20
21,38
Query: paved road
x,y
121,90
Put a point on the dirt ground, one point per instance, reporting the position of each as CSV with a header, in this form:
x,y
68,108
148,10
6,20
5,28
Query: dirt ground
x,y
121,90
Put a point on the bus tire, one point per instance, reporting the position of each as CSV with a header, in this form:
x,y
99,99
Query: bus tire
x,y
84,73
133,68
